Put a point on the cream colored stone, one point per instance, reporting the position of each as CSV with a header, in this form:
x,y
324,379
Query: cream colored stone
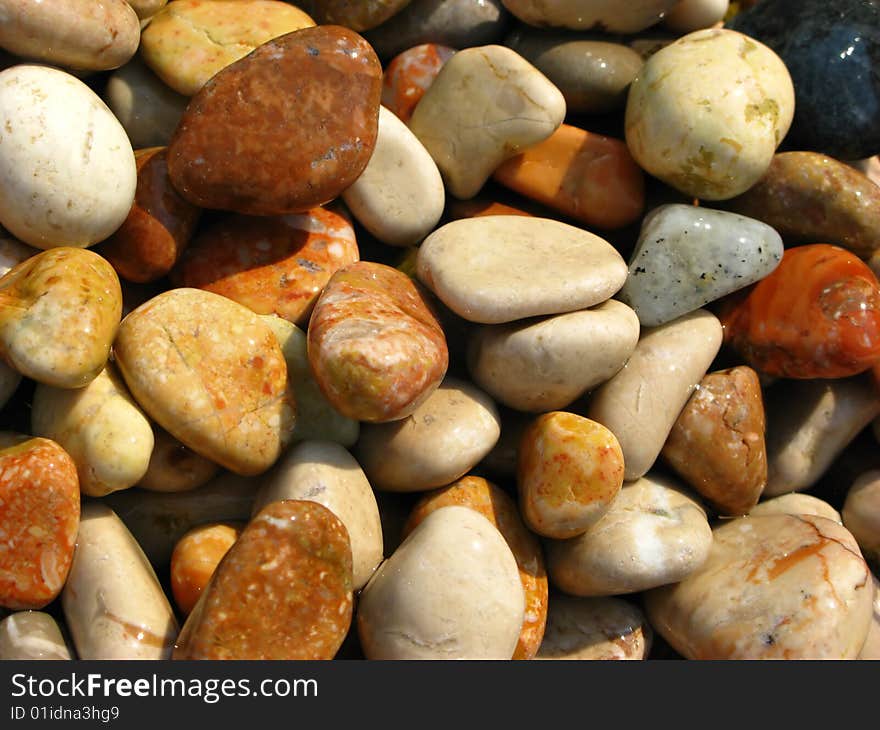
x,y
871,647
31,635
67,169
612,16
324,472
773,587
686,16
502,268
173,467
809,423
444,438
652,535
545,365
794,503
450,591
642,402
486,105
861,513
707,112
113,603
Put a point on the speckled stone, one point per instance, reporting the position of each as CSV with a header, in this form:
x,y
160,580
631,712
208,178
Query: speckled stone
x,y
611,16
359,15
408,76
293,561
286,128
196,557
687,257
212,374
773,587
861,513
31,635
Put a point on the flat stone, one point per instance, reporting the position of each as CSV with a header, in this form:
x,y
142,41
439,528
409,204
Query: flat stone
x,y
861,513
408,76
196,557
795,503
31,635
607,15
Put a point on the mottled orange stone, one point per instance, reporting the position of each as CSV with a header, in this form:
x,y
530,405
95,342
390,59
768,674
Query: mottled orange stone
x,y
816,316
569,470
500,509
195,558
158,226
272,265
409,75
283,591
587,176
39,518
717,443
375,347
479,207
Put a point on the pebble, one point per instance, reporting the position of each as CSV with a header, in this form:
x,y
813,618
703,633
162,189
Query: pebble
x,y
67,170
324,472
773,587
375,347
687,257
196,557
408,76
173,467
501,510
871,648
39,492
588,177
450,591
652,535
283,129
540,365
212,374
269,264
684,126
146,9
486,105
717,444
569,472
641,403
359,16
686,16
609,16
795,503
498,269
294,561
861,514
31,635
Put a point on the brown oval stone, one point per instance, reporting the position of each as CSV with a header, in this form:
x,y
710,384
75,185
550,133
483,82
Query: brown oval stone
x,y
158,226
717,443
286,128
293,565
375,346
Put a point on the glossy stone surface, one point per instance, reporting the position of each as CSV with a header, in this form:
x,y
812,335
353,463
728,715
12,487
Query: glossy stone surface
x,y
282,130
687,16
31,635
408,76
611,16
196,557
360,15
173,467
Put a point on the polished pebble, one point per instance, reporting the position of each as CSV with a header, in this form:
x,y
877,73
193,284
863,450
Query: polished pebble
x,y
607,15
408,76
795,503
32,635
196,557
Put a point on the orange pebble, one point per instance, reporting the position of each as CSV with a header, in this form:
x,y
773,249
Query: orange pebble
x,y
409,75
195,558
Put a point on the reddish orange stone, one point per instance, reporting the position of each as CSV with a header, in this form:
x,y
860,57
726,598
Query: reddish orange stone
x,y
283,591
39,519
375,347
158,226
195,558
409,75
816,316
272,265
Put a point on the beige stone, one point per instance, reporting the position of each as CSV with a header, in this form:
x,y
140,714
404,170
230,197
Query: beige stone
x,y
31,635
861,514
794,503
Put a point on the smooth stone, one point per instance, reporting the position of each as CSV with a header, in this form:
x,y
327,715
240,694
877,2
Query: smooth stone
x,y
189,41
79,34
592,73
454,23
283,129
113,603
59,313
687,257
641,403
146,9
685,125
717,443
67,170
13,252
376,349
269,264
861,514
773,587
196,557
212,374
610,16
817,315
147,109
686,16
652,535
795,503
570,469
31,635
587,177
399,197
324,472
408,76
173,467
39,493
501,510
293,560
809,424
486,105
360,16
443,439
546,364
102,429
450,591
498,269
809,197
591,629
871,648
